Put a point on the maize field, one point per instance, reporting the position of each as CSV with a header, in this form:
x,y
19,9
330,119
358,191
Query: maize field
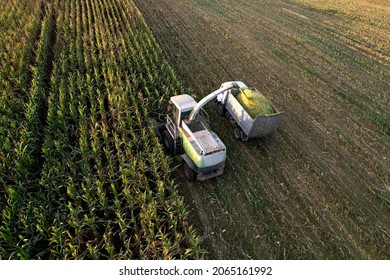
x,y
83,175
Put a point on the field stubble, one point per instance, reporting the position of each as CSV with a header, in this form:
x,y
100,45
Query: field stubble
x,y
320,187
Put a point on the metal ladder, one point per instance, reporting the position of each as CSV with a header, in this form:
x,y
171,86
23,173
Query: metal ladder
x,y
177,145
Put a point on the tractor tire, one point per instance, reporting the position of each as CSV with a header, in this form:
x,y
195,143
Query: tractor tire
x,y
188,172
220,109
168,142
237,132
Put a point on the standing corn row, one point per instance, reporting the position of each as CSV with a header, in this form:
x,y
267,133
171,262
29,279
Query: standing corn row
x,y
19,216
16,57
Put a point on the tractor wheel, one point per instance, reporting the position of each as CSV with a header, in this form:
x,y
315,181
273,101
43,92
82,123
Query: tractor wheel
x,y
188,172
220,109
237,133
168,142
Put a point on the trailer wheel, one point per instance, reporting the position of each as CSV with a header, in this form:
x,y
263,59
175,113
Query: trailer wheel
x,y
220,109
168,142
188,172
237,133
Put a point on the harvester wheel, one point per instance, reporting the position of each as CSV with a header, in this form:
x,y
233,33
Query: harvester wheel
x,y
168,142
220,109
237,133
188,172
159,128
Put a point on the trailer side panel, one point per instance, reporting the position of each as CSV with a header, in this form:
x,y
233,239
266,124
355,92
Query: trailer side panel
x,y
238,112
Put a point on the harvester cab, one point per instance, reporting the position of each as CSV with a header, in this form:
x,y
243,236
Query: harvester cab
x,y
180,108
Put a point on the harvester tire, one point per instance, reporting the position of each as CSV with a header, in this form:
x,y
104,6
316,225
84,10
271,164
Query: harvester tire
x,y
168,142
188,172
159,128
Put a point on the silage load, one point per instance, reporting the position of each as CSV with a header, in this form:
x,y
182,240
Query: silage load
x,y
254,102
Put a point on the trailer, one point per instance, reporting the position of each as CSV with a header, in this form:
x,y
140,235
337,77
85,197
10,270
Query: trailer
x,y
245,126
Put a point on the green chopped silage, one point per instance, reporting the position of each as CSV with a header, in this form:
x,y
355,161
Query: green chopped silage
x,y
254,102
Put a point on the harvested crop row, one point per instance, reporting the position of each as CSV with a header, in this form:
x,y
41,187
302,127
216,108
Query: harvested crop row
x,y
318,189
